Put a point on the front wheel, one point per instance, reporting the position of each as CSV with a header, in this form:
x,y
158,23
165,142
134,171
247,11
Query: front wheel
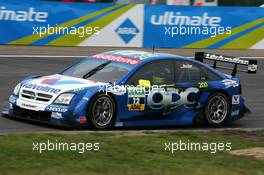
x,y
101,112
217,109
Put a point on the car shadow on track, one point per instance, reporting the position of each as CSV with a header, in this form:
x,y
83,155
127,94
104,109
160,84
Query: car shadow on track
x,y
157,128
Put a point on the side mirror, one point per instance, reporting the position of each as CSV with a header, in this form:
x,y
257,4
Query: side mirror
x,y
144,83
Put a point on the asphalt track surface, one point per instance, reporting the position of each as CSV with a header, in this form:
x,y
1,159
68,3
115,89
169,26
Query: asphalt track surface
x,y
17,64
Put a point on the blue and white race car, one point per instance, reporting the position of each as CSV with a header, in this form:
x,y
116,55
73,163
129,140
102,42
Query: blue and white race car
x,y
127,88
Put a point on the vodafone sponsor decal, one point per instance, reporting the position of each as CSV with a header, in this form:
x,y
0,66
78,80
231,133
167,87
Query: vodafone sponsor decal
x,y
117,58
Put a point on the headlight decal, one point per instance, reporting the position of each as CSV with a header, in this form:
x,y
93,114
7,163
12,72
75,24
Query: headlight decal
x,y
64,98
16,89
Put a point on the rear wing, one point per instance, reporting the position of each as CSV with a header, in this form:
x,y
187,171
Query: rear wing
x,y
250,64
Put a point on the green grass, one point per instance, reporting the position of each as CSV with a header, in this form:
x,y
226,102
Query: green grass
x,y
129,153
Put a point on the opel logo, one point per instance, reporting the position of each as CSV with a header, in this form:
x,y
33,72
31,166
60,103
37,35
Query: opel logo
x,y
32,96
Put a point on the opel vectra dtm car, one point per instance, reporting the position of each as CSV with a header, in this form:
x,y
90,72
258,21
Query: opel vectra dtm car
x,y
127,88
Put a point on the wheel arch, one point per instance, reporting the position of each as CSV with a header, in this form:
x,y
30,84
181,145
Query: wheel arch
x,y
207,93
225,93
98,93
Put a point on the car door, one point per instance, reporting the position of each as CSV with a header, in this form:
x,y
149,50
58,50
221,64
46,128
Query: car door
x,y
179,96
146,90
191,80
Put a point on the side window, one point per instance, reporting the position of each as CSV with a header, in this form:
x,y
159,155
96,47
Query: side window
x,y
188,72
191,72
157,72
210,76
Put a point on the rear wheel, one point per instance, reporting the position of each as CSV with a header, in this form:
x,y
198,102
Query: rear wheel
x,y
217,109
101,112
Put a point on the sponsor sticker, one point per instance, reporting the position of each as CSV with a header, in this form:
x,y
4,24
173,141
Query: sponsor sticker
x,y
50,81
55,108
59,81
235,99
41,88
56,115
136,92
186,66
28,106
172,99
136,107
202,85
136,99
226,59
78,89
116,58
141,55
236,112
230,83
119,124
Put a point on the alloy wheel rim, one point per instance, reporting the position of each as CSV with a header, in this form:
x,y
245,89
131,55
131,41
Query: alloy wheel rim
x,y
103,111
218,109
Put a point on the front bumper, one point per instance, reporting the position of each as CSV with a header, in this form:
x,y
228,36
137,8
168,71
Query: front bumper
x,y
40,117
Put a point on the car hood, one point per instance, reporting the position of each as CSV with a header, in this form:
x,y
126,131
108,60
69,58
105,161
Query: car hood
x,y
57,84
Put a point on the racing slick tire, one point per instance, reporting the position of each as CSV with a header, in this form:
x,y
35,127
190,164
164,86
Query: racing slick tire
x,y
102,112
217,109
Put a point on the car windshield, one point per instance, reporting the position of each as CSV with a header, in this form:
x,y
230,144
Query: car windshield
x,y
98,70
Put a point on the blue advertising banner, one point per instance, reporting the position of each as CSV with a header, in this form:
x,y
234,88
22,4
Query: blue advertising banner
x,y
203,27
130,25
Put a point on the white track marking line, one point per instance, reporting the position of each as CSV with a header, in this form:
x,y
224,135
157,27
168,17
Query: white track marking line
x,y
77,56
